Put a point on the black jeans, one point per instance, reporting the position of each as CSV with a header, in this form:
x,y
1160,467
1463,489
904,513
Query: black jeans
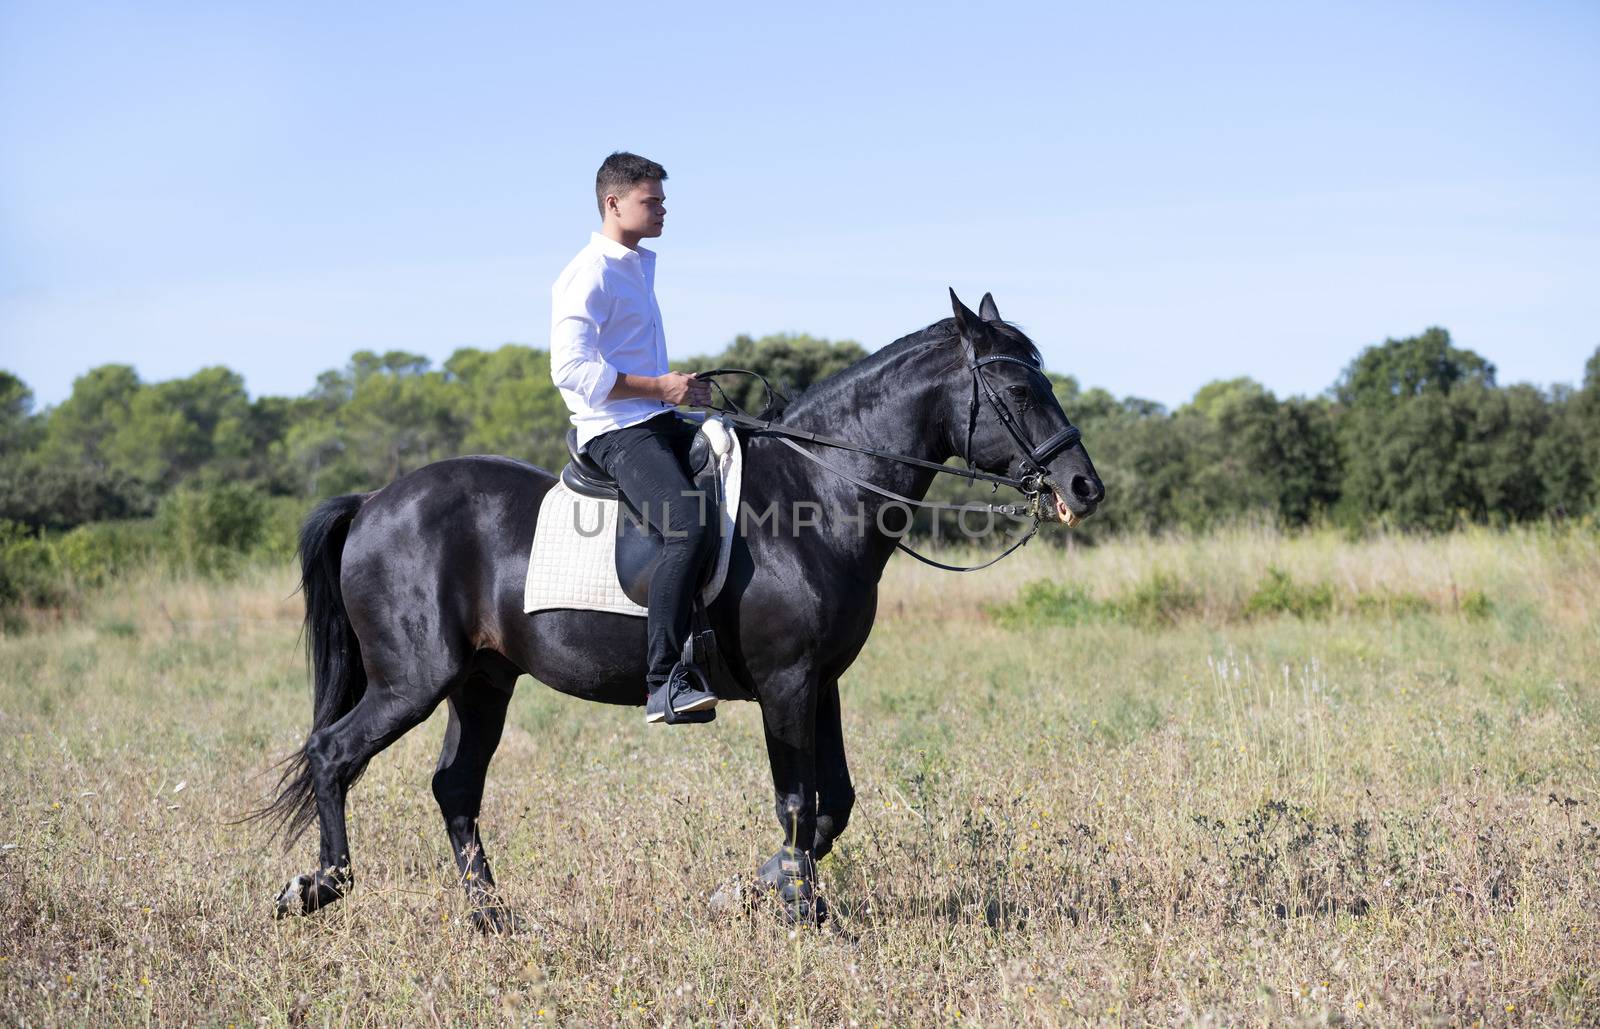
x,y
650,462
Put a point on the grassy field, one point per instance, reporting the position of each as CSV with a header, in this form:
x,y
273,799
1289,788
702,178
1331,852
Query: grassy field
x,y
1243,779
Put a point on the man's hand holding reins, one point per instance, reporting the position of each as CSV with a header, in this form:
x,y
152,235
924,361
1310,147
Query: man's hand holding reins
x,y
675,388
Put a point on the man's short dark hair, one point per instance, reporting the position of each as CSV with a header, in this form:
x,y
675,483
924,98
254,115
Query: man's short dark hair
x,y
620,173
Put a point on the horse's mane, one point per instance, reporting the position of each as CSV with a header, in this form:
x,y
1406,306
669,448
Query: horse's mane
x,y
941,336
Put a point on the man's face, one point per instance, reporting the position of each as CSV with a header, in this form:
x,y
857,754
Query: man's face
x,y
643,210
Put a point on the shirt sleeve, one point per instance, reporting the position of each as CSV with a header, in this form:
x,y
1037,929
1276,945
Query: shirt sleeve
x,y
578,311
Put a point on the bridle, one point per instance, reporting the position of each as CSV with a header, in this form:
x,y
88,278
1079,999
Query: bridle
x,y
1032,462
1034,458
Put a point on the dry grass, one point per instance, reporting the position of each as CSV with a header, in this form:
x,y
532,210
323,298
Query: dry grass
x,y
1370,820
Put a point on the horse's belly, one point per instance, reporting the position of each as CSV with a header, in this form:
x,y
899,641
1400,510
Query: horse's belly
x,y
591,655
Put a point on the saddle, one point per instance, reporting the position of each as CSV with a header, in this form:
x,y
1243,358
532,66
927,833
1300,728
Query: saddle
x,y
638,549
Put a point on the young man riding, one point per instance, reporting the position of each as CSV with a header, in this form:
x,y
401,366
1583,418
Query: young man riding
x,y
608,357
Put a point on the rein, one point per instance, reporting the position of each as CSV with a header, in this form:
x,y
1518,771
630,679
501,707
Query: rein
x,y
1031,484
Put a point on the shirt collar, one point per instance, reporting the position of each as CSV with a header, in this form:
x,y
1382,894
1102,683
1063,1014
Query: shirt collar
x,y
611,248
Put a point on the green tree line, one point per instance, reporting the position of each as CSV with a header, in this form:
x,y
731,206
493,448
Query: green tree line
x,y
1416,434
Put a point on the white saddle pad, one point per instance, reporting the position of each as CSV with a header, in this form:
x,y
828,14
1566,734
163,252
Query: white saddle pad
x,y
574,560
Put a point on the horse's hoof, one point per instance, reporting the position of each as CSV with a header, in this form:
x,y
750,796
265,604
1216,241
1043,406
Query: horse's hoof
x,y
791,875
808,909
306,893
292,898
497,920
788,865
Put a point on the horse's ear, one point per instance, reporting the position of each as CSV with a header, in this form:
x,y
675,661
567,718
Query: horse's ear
x,y
986,309
967,323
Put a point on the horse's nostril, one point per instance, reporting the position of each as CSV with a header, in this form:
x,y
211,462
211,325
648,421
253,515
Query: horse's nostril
x,y
1087,489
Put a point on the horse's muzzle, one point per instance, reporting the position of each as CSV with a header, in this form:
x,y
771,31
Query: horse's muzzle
x,y
1074,505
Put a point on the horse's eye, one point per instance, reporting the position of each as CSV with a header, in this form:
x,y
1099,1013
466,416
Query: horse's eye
x,y
1018,391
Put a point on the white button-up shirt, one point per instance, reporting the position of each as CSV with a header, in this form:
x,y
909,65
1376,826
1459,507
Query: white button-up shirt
x,y
604,319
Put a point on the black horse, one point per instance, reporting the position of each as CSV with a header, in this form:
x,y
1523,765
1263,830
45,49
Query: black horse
x,y
414,596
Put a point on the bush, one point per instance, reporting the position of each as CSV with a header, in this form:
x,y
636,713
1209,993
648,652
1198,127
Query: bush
x,y
1476,604
213,529
1393,604
203,531
56,494
1279,594
1162,599
1158,600
1047,603
280,534
92,554
29,568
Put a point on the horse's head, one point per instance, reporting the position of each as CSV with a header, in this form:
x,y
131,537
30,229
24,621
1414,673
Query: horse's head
x,y
1004,418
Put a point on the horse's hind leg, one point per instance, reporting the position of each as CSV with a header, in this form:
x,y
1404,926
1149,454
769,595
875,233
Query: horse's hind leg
x,y
477,715
336,756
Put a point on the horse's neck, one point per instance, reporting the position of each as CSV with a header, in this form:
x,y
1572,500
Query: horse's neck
x,y
897,410
892,413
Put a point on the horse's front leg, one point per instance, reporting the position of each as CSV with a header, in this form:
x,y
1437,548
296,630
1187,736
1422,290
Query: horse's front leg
x,y
836,795
788,712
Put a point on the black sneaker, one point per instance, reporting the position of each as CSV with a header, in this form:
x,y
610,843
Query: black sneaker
x,y
689,700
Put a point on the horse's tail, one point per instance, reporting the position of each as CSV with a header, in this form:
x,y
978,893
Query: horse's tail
x,y
332,650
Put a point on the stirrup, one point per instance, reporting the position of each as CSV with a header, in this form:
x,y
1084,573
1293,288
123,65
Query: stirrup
x,y
669,715
686,675
691,661
691,677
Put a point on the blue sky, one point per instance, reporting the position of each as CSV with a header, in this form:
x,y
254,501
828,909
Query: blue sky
x,y
1160,194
